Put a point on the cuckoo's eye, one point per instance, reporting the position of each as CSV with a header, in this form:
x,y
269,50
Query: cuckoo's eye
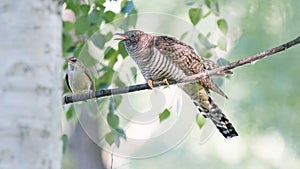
x,y
131,35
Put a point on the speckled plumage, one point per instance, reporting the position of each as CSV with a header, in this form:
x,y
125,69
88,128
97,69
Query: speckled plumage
x,y
163,57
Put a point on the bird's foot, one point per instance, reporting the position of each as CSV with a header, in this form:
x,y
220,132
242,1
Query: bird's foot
x,y
166,81
90,93
150,83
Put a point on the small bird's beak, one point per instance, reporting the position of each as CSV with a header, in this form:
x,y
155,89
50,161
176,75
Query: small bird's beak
x,y
123,37
69,59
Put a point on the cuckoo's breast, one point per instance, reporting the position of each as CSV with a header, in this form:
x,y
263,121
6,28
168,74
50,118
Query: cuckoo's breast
x,y
156,66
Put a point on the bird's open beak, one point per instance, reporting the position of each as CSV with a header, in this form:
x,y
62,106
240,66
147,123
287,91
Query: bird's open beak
x,y
123,37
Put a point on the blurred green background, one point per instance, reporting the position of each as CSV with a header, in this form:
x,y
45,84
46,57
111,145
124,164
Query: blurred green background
x,y
264,98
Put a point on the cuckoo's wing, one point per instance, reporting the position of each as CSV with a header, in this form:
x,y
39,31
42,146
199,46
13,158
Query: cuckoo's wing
x,y
184,54
181,54
186,58
209,65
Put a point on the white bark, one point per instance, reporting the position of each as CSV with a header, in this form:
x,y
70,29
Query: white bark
x,y
30,85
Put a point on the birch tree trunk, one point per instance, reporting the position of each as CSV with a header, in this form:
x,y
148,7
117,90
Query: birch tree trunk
x,y
30,84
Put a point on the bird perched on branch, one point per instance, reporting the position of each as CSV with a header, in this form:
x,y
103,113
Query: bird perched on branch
x,y
163,58
78,77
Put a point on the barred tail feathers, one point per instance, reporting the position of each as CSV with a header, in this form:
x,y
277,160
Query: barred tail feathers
x,y
218,118
209,109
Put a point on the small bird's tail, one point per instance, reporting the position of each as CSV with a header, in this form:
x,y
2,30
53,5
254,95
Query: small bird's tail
x,y
209,109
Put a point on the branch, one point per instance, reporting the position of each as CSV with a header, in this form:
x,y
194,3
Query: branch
x,y
247,60
108,92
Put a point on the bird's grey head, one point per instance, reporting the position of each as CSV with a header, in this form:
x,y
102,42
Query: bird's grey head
x,y
73,63
134,40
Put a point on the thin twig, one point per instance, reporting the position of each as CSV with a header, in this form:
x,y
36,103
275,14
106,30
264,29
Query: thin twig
x,y
112,160
244,61
108,92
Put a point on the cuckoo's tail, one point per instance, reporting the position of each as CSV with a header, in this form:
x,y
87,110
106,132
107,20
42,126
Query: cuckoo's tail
x,y
209,109
218,118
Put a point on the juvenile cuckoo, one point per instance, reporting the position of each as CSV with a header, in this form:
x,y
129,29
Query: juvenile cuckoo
x,y
163,58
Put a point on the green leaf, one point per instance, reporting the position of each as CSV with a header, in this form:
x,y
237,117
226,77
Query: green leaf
x,y
89,60
98,40
122,50
114,136
78,48
118,81
110,137
121,133
208,35
105,79
222,43
67,42
227,76
129,21
222,25
99,2
127,6
207,14
164,115
190,2
117,141
204,41
112,120
195,15
73,5
112,55
109,16
67,26
117,101
214,6
103,104
123,3
222,61
218,81
205,53
134,73
200,120
92,29
183,35
108,36
64,139
111,107
207,3
70,113
95,17
85,9
109,52
81,25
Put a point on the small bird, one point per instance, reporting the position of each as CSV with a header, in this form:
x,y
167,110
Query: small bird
x,y
163,58
78,77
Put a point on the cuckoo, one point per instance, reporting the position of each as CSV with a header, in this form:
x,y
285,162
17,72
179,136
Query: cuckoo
x,y
164,58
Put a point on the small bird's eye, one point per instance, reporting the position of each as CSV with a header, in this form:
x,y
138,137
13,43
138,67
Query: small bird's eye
x,y
73,59
132,35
